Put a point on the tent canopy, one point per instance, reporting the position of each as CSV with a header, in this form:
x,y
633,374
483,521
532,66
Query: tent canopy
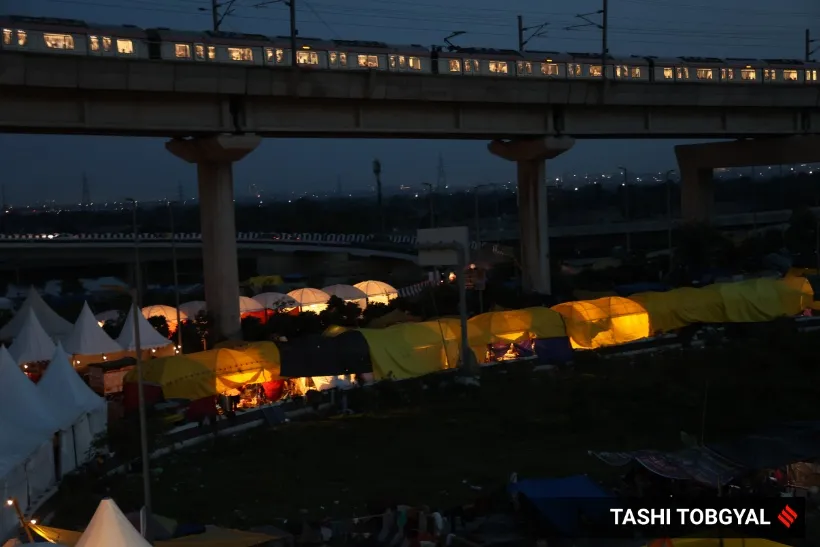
x,y
408,350
168,312
22,402
275,301
377,291
206,373
109,526
606,321
32,342
65,392
193,308
249,305
309,297
88,338
50,320
149,338
345,292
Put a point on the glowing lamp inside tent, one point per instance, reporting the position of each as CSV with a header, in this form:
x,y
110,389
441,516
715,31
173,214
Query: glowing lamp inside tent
x,y
9,502
101,323
104,358
153,350
34,521
452,276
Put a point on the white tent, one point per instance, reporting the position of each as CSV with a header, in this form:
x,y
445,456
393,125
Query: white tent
x,y
149,338
105,316
377,292
88,337
32,342
249,305
276,301
26,430
312,300
168,312
109,527
348,293
50,320
80,413
192,308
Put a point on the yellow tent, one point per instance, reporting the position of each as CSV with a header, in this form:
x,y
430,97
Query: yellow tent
x,y
757,300
513,326
408,350
197,375
604,322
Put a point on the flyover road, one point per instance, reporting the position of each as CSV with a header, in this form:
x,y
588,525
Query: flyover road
x,y
87,95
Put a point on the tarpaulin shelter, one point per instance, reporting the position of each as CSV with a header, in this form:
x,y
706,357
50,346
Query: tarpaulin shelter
x,y
319,355
603,322
310,300
168,312
80,413
206,373
758,300
248,307
276,301
513,326
393,317
809,286
49,319
89,343
413,349
193,308
561,502
348,293
261,281
151,342
32,343
378,292
677,308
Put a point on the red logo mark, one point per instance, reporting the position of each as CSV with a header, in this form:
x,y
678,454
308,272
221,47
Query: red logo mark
x,y
787,516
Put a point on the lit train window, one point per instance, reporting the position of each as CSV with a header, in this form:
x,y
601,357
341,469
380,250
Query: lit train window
x,y
595,70
549,69
106,43
705,74
811,75
472,64
342,58
368,61
280,55
333,57
727,74
769,74
22,38
212,52
199,51
748,74
499,67
94,42
574,69
309,58
402,61
636,72
668,73
414,63
125,47
59,41
790,75
240,53
6,36
683,73
393,61
524,67
182,51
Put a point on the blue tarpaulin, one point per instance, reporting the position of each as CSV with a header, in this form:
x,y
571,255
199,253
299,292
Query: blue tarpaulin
x,y
562,502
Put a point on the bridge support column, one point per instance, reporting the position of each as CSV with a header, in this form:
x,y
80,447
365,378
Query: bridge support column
x,y
214,158
533,213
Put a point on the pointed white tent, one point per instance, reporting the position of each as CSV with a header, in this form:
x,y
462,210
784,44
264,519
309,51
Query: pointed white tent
x,y
149,338
109,528
88,337
80,413
50,320
26,428
32,343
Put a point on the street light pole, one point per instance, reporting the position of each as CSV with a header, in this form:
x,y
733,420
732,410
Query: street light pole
x,y
135,294
176,273
626,209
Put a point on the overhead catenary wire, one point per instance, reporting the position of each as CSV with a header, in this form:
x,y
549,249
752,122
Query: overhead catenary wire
x,y
753,40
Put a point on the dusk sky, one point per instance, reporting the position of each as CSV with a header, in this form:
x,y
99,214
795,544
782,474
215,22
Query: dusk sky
x,y
36,167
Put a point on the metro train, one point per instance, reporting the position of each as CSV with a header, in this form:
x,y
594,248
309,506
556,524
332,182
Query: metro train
x,y
73,37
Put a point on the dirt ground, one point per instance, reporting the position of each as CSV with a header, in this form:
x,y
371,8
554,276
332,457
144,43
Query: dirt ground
x,y
444,447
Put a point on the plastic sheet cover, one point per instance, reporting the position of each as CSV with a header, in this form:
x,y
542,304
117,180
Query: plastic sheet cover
x,y
206,373
604,322
513,326
758,300
413,349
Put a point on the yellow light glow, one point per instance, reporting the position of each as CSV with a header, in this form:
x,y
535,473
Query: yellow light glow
x,y
33,521
153,350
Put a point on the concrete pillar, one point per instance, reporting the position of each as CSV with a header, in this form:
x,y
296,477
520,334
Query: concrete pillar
x,y
214,157
533,213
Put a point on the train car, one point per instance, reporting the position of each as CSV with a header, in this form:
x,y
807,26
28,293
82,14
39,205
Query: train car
x,y
369,55
71,37
471,61
312,53
543,64
785,71
588,66
632,69
208,47
812,72
743,71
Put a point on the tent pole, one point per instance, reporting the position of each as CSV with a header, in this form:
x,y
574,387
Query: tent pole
x,y
21,518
